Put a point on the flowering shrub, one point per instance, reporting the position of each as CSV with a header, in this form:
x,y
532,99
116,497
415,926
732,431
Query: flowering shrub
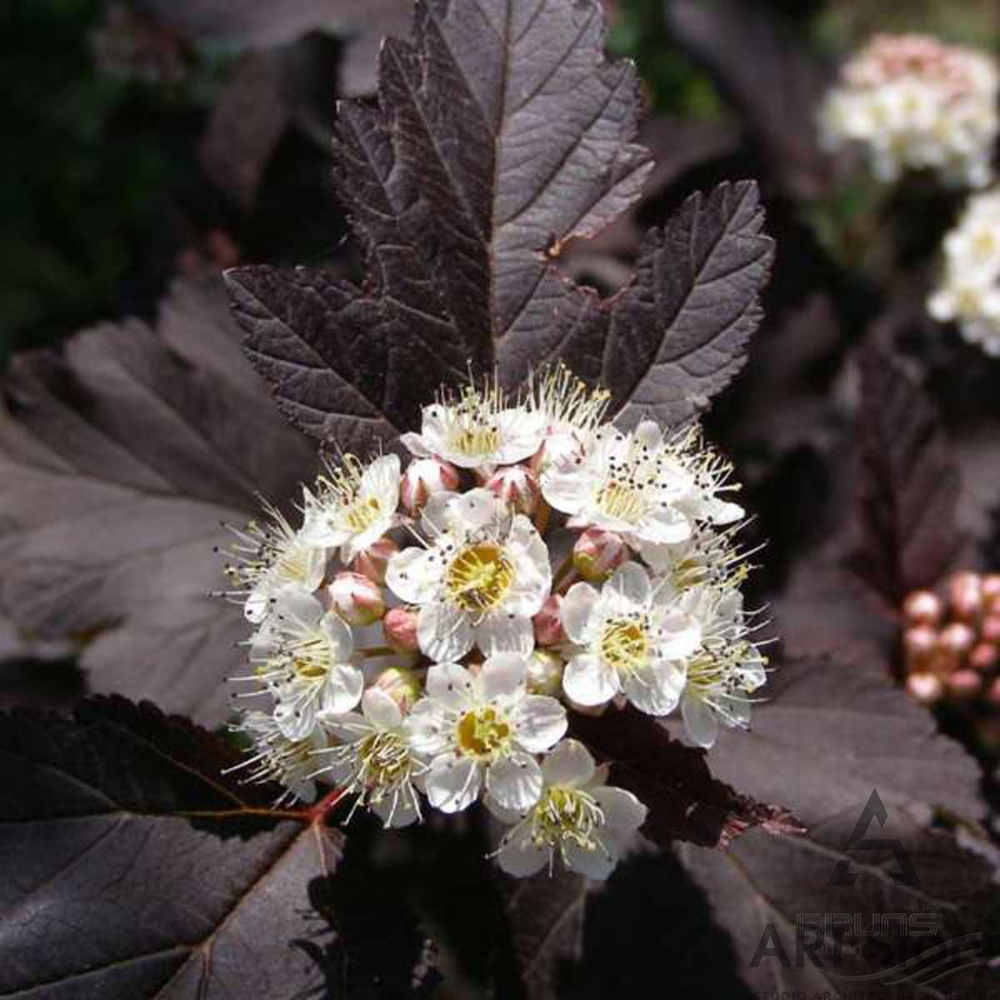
x,y
482,558
915,103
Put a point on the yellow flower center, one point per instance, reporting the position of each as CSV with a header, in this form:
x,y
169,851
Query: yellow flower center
x,y
475,439
362,514
482,732
624,644
385,760
479,577
620,500
566,814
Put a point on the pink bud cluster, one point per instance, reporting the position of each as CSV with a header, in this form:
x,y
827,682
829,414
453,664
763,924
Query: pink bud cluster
x,y
951,644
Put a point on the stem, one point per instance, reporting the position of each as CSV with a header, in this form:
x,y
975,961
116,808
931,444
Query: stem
x,y
372,651
566,566
542,516
325,805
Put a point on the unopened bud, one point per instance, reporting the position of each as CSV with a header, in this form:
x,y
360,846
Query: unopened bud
x,y
548,622
956,638
924,687
517,487
597,554
356,599
423,478
400,628
991,590
922,607
400,685
919,643
989,631
965,591
984,657
545,671
964,684
372,562
558,451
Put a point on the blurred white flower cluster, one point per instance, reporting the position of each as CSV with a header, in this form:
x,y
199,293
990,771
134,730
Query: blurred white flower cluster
x,y
917,104
419,636
969,292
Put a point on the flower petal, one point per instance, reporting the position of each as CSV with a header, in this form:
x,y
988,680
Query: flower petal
x,y
589,681
576,611
380,710
342,688
631,582
623,812
570,763
700,721
505,633
412,575
426,728
539,722
503,676
338,636
520,856
678,635
444,632
396,810
453,783
451,686
514,782
598,863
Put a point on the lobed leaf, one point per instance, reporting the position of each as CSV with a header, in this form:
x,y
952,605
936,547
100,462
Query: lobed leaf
x,y
909,488
132,865
119,458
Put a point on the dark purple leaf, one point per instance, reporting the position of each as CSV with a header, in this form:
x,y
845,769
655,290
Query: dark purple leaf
x,y
685,800
118,460
770,76
133,866
908,489
501,132
677,334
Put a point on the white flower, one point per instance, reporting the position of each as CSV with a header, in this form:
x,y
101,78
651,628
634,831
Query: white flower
x,y
480,730
726,668
632,639
708,556
302,653
917,104
352,506
577,817
482,577
969,292
479,428
276,757
269,557
375,760
571,412
646,488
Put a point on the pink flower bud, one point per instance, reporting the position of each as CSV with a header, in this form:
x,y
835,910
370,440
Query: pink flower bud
x,y
965,590
989,631
984,657
423,478
919,643
400,685
545,671
922,607
597,554
400,628
924,687
964,684
372,562
356,599
517,487
957,639
548,622
558,450
991,590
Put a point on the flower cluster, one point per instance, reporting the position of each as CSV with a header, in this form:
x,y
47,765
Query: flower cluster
x,y
969,293
917,104
420,636
951,648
